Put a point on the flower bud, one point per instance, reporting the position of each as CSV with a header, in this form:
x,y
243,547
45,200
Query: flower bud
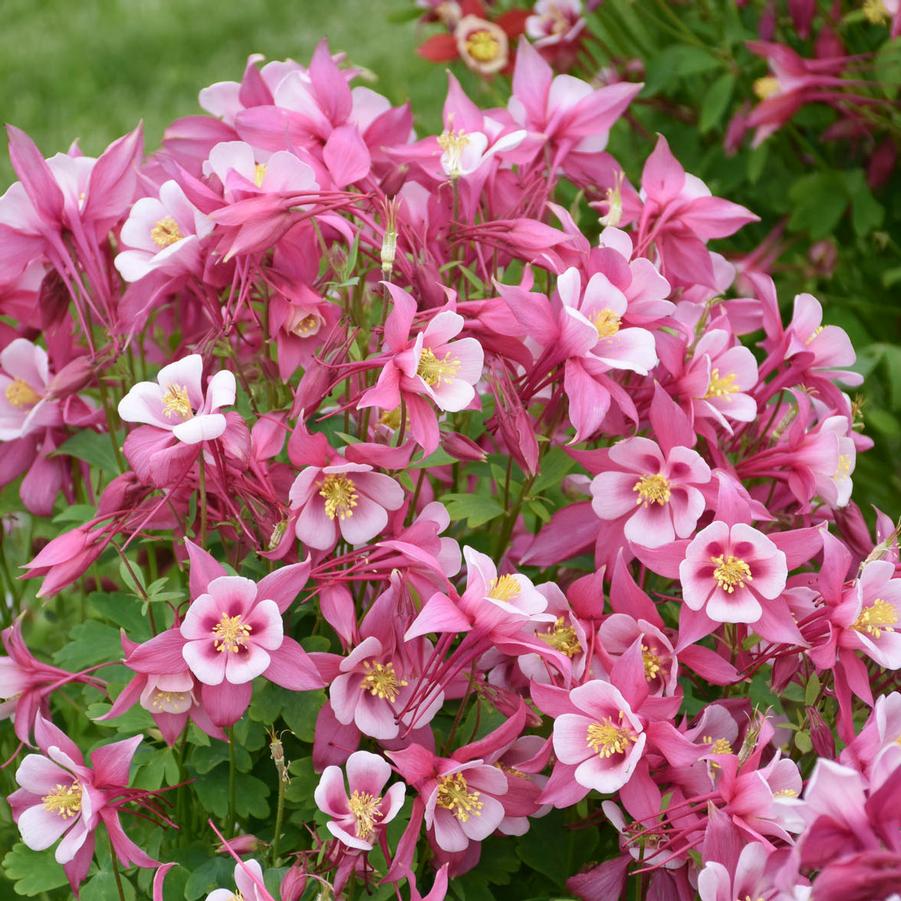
x,y
462,448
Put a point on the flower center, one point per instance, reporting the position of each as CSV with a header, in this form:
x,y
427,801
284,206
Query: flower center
x,y
785,793
391,418
453,143
721,385
562,638
720,746
64,800
306,326
844,467
259,173
454,795
231,634
20,394
652,489
875,11
381,681
166,232
652,664
169,701
176,402
483,46
435,370
366,813
731,572
606,738
503,588
606,322
879,617
766,87
340,495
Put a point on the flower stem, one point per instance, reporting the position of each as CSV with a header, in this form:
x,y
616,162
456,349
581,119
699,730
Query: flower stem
x,y
231,778
116,872
279,817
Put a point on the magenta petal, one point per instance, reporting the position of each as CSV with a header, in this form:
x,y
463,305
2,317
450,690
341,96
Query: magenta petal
x,y
291,667
226,703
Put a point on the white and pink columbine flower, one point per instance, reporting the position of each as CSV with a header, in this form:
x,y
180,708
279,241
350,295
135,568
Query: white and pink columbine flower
x,y
162,234
604,741
360,810
239,170
248,882
482,45
177,403
658,496
347,499
728,571
24,404
876,625
229,632
719,378
555,22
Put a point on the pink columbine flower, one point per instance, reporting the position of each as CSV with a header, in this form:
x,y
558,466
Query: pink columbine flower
x,y
162,235
482,45
248,882
555,22
25,405
657,495
345,498
243,173
177,403
603,741
876,626
727,571
360,810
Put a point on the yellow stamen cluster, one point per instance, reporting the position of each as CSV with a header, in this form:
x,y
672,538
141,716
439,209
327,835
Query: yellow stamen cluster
x,y
434,370
606,322
166,232
766,87
259,173
340,495
176,402
20,394
64,800
731,572
652,664
721,385
453,143
720,746
381,681
231,634
562,638
652,489
483,46
454,795
308,325
366,813
875,12
785,793
879,617
391,418
503,588
606,738
164,700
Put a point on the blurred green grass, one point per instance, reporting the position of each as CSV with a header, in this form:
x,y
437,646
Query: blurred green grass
x,y
89,69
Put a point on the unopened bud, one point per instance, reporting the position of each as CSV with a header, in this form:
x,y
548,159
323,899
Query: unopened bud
x,y
462,448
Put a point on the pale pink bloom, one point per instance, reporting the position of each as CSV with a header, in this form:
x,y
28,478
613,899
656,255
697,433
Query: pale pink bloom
x,y
177,403
347,499
162,234
482,45
657,495
875,627
619,632
223,98
229,632
24,403
360,809
248,882
555,22
241,171
604,741
833,465
830,345
750,880
719,377
728,571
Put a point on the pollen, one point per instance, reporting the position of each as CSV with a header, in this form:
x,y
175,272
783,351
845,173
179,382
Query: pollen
x,y
731,572
168,701
764,88
785,793
231,634
306,326
453,143
562,638
503,588
64,801
483,46
721,385
875,12
434,370
720,746
391,418
606,738
166,232
340,495
366,813
381,681
652,664
879,617
259,173
20,394
176,402
843,470
454,795
652,489
606,322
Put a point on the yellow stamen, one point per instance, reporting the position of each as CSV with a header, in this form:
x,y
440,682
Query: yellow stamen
x,y
652,489
454,795
453,143
340,495
879,617
483,46
503,588
366,813
166,232
391,418
814,334
231,634
562,638
64,800
259,173
731,572
721,385
165,700
606,322
785,793
766,87
720,746
844,467
434,370
606,738
652,664
875,12
20,394
381,681
176,402
308,325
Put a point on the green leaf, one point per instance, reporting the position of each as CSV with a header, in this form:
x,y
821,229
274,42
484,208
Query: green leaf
x,y
866,212
555,464
555,851
476,509
33,872
812,691
123,610
300,711
819,200
78,513
803,742
888,67
89,642
215,873
102,887
93,448
716,101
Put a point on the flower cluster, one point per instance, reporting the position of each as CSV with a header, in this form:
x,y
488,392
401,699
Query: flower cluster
x,y
517,510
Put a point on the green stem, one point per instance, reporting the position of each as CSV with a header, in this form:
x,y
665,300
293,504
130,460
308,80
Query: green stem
x,y
279,817
232,772
202,500
116,872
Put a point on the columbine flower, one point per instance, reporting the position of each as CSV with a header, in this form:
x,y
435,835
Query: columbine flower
x,y
237,168
656,495
162,235
876,627
555,22
359,810
719,377
24,404
482,45
727,571
176,402
248,882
